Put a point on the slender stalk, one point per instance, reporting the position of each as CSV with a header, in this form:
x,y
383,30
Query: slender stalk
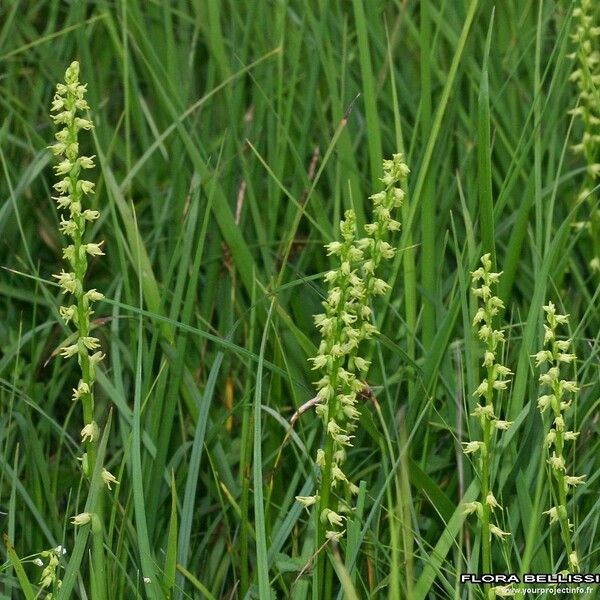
x,y
245,454
486,558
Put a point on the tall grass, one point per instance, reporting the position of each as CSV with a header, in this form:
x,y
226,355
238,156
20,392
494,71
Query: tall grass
x,y
230,139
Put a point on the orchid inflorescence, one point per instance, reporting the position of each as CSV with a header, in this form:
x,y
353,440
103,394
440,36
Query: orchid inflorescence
x,y
558,399
69,102
586,37
495,380
346,322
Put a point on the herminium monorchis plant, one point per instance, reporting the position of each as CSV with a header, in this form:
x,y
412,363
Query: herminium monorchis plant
x,y
69,101
346,322
587,76
558,398
494,381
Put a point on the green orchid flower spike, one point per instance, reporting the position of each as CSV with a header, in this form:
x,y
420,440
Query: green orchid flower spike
x,y
73,191
495,381
346,322
557,400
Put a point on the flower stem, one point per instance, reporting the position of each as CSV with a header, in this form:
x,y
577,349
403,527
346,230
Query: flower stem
x,y
486,554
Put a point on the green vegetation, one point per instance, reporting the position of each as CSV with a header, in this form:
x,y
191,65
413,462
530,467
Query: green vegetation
x,y
230,140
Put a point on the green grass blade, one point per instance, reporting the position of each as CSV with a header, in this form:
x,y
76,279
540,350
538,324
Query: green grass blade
x,y
15,561
262,561
484,154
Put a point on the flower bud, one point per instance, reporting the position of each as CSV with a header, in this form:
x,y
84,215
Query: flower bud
x,y
90,433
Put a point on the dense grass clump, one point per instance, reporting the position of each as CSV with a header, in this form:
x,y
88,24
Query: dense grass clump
x,y
230,140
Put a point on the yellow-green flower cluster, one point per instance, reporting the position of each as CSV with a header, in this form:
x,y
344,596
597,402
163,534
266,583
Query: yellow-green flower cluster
x,y
68,104
586,37
483,322
49,580
346,322
495,380
558,399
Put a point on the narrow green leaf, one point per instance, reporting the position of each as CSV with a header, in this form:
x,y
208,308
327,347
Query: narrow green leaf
x,y
171,554
484,154
19,570
262,560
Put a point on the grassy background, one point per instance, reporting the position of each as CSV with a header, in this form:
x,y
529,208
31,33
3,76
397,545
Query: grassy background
x,y
230,137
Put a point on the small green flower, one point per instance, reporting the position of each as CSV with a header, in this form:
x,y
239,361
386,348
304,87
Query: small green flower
x,y
573,561
472,508
495,530
333,518
307,500
109,479
556,462
491,501
90,432
574,481
486,412
472,447
81,519
552,514
334,536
